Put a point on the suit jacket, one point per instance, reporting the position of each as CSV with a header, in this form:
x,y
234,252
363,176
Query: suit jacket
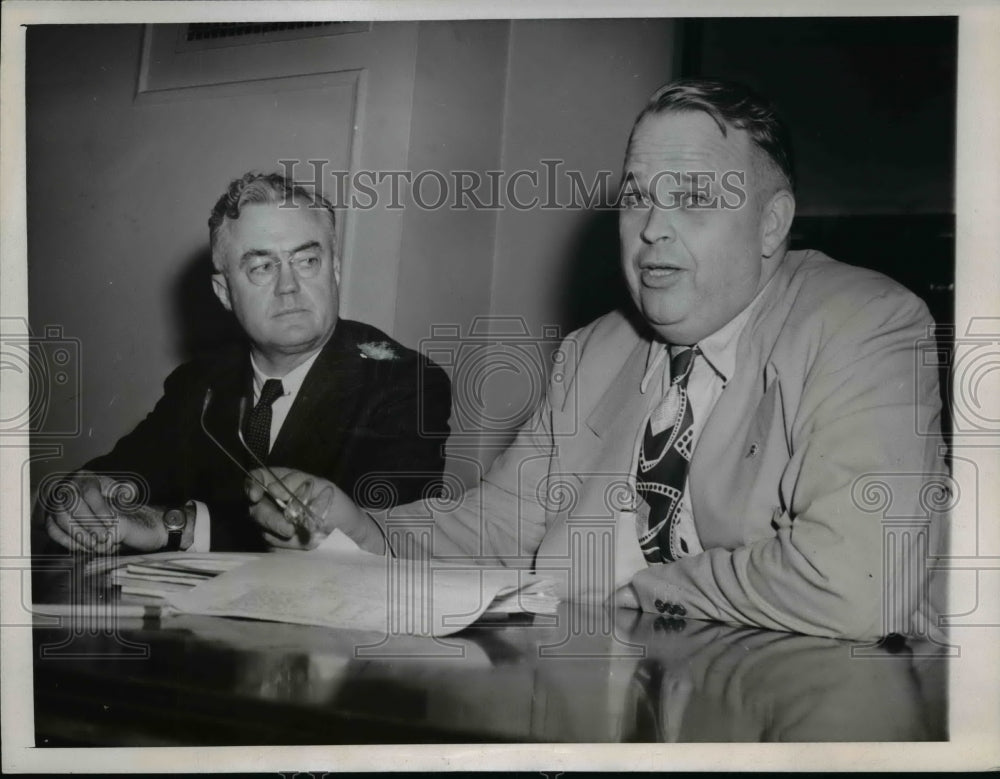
x,y
828,401
375,427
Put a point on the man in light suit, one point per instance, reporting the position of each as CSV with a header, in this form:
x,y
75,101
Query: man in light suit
x,y
727,432
328,395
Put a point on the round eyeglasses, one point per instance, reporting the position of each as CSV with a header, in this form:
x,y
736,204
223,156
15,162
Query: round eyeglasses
x,y
263,270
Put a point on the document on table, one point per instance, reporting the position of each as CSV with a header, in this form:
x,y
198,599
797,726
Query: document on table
x,y
360,591
336,585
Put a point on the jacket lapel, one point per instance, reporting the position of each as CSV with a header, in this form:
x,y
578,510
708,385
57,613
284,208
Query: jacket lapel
x,y
323,409
230,380
723,451
621,404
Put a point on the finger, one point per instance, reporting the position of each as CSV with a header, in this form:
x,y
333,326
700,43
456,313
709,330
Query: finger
x,y
56,533
256,485
254,491
272,521
109,542
278,491
625,597
281,543
60,518
297,511
319,509
279,471
302,491
92,490
72,540
102,539
266,477
70,527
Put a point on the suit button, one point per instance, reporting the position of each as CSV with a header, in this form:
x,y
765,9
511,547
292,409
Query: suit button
x,y
679,610
660,605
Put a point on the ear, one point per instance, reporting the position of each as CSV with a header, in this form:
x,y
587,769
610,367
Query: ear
x,y
336,268
220,286
776,221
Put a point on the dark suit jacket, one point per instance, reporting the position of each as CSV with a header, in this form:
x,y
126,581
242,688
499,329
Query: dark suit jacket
x,y
373,425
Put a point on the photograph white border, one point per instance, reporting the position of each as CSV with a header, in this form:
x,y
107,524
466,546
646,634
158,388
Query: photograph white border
x,y
974,713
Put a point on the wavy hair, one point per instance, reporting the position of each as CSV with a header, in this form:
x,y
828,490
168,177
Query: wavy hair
x,y
730,104
262,188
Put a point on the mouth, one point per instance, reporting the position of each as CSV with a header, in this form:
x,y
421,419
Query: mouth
x,y
290,312
658,275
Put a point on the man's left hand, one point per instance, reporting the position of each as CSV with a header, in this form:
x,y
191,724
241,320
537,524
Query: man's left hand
x,y
304,522
626,598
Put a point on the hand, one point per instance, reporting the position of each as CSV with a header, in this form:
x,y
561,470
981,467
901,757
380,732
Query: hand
x,y
625,597
314,508
80,514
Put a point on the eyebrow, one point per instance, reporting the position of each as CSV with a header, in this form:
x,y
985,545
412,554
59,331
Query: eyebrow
x,y
252,253
691,178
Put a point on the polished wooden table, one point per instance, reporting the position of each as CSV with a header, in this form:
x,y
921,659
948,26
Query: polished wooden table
x,y
582,675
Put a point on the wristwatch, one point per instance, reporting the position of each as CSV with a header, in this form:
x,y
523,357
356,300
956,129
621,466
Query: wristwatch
x,y
175,521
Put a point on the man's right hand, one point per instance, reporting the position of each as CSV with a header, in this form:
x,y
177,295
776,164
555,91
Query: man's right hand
x,y
79,515
314,508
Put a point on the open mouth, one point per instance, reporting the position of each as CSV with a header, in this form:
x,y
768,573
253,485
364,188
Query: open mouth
x,y
657,275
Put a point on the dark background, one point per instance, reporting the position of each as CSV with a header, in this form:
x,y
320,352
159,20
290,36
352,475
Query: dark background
x,y
870,104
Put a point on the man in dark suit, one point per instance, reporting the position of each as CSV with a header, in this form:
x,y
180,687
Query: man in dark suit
x,y
315,392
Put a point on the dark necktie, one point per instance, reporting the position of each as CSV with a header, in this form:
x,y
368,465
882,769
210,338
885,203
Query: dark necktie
x,y
664,458
257,428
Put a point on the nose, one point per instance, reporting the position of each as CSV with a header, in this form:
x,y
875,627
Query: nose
x,y
659,224
288,280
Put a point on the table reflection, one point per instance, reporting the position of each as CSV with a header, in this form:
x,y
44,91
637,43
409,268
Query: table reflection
x,y
644,679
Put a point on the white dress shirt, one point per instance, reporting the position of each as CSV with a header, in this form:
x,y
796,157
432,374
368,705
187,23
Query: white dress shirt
x,y
291,383
710,371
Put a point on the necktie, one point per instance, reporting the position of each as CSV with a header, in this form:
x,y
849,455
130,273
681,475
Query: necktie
x,y
257,428
664,458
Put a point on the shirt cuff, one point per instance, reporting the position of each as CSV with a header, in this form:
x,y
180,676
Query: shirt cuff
x,y
202,528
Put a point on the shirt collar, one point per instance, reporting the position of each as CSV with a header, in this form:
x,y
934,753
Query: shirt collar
x,y
719,349
290,382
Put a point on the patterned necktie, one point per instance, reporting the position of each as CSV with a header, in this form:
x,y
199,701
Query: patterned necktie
x,y
664,458
257,428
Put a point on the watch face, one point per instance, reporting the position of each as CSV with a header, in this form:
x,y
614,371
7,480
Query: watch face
x,y
175,519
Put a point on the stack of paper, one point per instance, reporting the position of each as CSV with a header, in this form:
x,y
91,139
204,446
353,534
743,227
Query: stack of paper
x,y
359,591
160,577
336,588
536,596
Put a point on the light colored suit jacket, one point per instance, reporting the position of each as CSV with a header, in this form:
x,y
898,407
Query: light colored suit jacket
x,y
812,483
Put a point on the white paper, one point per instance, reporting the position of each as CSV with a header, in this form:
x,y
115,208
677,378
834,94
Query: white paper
x,y
352,590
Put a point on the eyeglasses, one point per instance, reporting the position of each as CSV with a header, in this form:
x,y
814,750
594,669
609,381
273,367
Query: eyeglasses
x,y
263,270
293,508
